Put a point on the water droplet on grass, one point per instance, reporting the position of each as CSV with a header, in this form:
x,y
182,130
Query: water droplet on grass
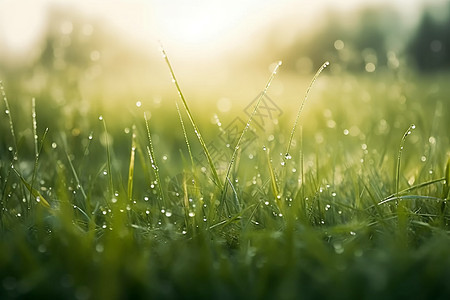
x,y
42,248
99,248
191,214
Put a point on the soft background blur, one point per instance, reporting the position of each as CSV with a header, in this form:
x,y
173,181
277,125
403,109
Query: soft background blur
x,y
111,47
80,58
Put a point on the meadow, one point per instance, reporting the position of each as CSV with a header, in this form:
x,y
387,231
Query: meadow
x,y
336,189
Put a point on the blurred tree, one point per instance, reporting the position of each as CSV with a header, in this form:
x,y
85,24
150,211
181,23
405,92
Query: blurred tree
x,y
350,41
430,46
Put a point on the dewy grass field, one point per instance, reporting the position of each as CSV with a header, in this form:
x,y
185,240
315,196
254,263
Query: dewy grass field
x,y
357,212
337,188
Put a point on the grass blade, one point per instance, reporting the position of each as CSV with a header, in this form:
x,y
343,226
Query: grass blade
x,y
38,196
185,137
151,155
191,119
325,64
11,125
108,158
446,191
399,157
238,143
131,166
273,180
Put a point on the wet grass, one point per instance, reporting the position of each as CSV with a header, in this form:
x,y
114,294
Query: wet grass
x,y
356,208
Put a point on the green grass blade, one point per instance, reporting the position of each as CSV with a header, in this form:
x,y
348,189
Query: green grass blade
x,y
273,180
108,157
446,191
11,125
325,64
38,196
74,172
131,166
191,119
153,162
399,157
186,138
247,125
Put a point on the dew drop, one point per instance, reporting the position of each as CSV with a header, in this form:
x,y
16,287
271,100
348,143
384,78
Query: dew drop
x,y
191,214
138,103
100,117
99,248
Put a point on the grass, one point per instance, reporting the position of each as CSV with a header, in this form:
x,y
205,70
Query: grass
x,y
111,213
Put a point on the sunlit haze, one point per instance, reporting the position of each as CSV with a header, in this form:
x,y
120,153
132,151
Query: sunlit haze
x,y
195,26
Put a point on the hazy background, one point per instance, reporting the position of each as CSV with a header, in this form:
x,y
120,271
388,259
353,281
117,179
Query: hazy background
x,y
108,51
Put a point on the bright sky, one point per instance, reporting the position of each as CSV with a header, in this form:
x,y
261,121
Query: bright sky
x,y
196,25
